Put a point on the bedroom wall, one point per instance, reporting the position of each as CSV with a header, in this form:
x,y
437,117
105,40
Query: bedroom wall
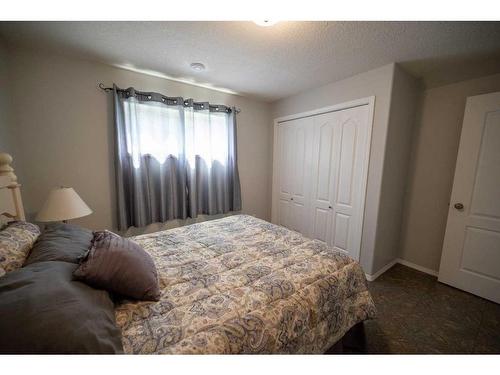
x,y
6,139
376,82
405,98
63,126
432,168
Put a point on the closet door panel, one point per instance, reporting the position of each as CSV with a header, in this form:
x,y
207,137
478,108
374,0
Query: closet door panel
x,y
343,209
347,162
300,171
323,171
339,149
285,183
341,236
285,188
298,220
299,165
284,212
321,221
349,196
324,161
294,139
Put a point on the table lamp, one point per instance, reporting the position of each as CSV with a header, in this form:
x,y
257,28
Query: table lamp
x,y
62,204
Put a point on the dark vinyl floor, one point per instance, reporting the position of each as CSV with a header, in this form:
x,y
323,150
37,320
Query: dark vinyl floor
x,y
417,314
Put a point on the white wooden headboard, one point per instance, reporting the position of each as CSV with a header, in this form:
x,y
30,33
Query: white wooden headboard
x,y
11,204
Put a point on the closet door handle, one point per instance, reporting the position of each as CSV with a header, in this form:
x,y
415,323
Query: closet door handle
x,y
330,207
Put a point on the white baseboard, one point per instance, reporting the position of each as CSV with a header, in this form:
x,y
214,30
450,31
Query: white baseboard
x,y
417,267
380,271
404,263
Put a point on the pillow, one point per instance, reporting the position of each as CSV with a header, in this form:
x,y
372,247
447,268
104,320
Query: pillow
x,y
121,266
42,310
16,240
61,242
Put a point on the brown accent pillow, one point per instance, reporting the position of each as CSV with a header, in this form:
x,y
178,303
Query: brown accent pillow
x,y
121,266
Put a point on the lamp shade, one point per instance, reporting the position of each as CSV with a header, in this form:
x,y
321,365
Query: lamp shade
x,y
63,203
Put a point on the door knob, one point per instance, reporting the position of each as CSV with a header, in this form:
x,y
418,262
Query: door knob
x,y
458,206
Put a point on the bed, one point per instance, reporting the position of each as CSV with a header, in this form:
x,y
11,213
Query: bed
x,y
242,285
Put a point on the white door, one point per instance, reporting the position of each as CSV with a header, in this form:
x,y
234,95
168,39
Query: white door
x,y
294,138
471,249
339,170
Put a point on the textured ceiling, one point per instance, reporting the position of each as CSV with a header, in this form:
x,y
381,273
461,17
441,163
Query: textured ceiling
x,y
278,61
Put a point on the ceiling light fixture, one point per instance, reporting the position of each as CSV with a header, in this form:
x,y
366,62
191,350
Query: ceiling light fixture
x,y
197,66
266,23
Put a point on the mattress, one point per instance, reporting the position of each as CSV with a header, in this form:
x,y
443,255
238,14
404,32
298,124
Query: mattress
x,y
243,285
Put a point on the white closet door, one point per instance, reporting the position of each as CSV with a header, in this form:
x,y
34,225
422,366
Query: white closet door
x,y
325,148
339,165
294,138
471,248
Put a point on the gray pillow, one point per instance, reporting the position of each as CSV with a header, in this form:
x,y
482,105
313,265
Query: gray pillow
x,y
60,242
121,266
42,310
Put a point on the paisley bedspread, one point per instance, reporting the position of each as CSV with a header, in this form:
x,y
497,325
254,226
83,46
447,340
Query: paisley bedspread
x,y
243,285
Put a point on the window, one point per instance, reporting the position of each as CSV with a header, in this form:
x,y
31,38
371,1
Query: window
x,y
158,130
173,160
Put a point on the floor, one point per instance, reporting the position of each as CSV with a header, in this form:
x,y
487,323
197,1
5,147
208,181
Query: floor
x,y
417,314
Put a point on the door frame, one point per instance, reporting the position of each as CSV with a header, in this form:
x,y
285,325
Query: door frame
x,y
370,102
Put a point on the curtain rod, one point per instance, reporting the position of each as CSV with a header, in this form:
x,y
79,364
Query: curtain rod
x,y
109,89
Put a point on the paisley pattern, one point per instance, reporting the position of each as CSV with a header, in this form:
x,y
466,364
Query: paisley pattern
x,y
243,285
16,240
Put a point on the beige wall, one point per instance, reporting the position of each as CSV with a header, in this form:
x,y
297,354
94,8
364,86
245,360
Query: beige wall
x,y
405,95
376,83
6,139
432,167
63,126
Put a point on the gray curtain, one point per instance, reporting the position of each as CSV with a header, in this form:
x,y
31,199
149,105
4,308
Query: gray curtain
x,y
175,158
